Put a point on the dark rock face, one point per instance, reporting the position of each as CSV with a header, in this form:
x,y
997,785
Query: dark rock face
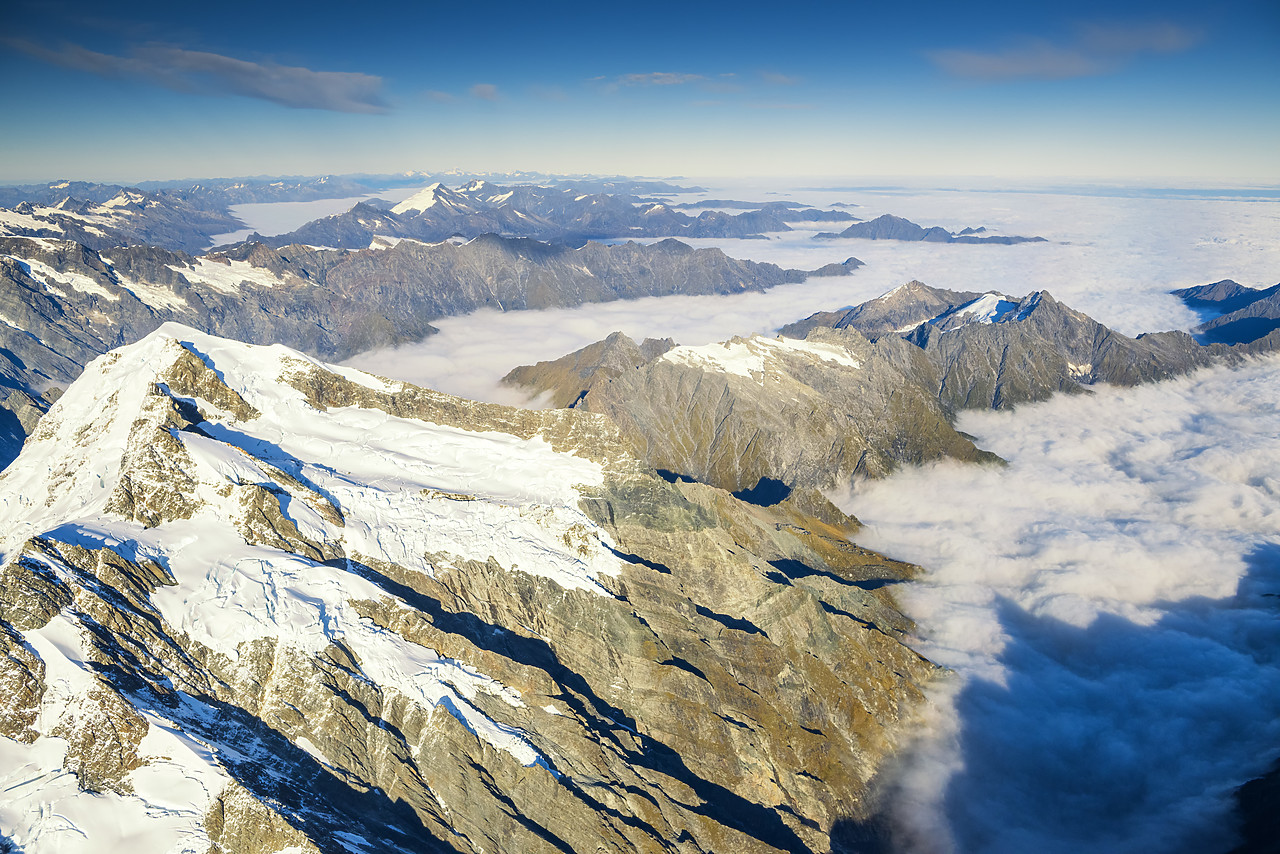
x,y
733,685
900,310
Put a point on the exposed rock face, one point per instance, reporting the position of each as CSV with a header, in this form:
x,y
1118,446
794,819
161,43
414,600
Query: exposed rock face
x,y
64,303
343,612
900,310
811,413
990,350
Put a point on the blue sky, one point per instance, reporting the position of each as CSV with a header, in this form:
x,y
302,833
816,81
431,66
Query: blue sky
x,y
1151,92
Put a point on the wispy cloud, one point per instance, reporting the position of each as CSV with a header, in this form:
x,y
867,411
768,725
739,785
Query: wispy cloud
x,y
1096,49
205,73
726,82
437,95
484,91
778,79
659,78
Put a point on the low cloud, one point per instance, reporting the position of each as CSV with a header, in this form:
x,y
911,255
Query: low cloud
x,y
200,72
1096,49
1107,605
484,91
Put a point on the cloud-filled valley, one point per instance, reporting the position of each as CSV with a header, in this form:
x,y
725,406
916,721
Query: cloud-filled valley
x,y
1108,605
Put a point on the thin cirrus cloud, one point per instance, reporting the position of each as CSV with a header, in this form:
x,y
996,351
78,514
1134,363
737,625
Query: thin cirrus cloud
x,y
484,91
207,73
720,83
659,78
1096,49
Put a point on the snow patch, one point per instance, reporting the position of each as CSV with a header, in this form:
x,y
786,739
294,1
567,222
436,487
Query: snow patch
x,y
228,278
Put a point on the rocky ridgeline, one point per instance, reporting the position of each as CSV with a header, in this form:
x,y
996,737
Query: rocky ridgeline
x,y
101,216
855,392
62,303
249,602
571,215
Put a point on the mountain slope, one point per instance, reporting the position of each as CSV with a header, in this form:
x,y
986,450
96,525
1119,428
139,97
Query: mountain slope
x,y
62,303
249,602
806,413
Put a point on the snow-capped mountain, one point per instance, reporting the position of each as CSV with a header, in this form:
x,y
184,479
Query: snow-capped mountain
x,y
251,602
563,214
126,217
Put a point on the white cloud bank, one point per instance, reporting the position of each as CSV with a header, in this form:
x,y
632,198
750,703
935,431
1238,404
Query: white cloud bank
x,y
1108,603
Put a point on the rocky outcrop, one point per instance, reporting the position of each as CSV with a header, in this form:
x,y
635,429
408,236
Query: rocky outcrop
x,y
804,413
990,350
457,627
855,392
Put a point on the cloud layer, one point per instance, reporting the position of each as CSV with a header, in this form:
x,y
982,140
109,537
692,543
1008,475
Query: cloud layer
x,y
1108,604
206,73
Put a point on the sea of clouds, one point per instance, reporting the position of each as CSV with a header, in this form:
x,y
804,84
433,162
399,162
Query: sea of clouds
x,y
1109,606
1108,602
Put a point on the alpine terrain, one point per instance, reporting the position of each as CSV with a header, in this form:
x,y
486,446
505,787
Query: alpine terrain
x,y
250,602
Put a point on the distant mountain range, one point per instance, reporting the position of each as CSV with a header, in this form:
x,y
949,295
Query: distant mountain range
x,y
125,217
889,227
562,214
63,303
